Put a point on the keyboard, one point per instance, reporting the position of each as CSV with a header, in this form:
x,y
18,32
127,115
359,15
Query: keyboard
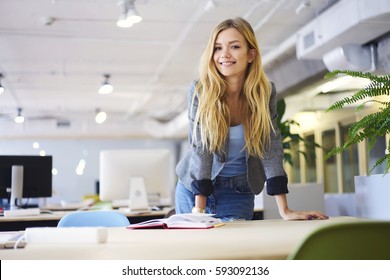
x,y
66,235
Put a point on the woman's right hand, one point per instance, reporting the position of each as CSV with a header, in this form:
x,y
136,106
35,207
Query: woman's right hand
x,y
200,203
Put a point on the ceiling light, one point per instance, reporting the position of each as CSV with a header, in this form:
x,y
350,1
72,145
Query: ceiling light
x,y
106,87
80,167
100,117
130,15
336,83
19,118
304,5
2,89
47,20
133,16
123,22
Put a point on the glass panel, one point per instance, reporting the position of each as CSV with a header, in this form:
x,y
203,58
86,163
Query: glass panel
x,y
350,161
295,176
377,152
330,170
311,174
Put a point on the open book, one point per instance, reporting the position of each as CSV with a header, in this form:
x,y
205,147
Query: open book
x,y
181,221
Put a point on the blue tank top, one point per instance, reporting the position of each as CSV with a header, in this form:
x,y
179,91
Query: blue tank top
x,y
236,160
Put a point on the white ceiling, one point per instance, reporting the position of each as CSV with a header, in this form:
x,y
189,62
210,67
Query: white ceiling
x,y
53,71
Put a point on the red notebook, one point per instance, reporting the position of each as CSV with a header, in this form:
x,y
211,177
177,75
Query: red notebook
x,y
181,221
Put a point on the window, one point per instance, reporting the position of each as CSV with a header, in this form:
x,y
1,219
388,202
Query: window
x,y
350,166
310,170
330,167
377,152
295,176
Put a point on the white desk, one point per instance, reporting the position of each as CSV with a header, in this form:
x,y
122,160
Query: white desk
x,y
262,239
52,219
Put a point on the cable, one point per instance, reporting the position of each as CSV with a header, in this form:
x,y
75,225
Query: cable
x,y
20,239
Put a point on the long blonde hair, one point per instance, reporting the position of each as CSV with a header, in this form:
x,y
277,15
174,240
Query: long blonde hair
x,y
213,116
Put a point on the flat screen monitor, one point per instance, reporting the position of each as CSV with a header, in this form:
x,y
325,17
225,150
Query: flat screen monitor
x,y
37,175
155,166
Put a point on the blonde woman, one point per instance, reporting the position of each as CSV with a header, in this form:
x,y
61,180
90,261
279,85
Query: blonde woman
x,y
235,146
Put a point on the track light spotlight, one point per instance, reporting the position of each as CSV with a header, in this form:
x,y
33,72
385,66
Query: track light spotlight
x,y
129,16
19,117
304,5
132,15
2,89
123,22
106,87
100,116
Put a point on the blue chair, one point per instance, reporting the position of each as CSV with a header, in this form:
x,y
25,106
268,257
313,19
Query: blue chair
x,y
94,219
365,240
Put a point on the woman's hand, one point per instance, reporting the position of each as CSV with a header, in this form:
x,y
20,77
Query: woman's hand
x,y
303,215
200,201
288,214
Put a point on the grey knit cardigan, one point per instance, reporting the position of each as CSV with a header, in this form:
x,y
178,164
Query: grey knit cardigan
x,y
198,167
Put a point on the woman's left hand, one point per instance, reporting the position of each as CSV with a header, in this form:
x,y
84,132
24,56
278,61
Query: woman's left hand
x,y
303,215
289,214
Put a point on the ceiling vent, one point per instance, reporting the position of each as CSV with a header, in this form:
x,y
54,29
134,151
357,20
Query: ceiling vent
x,y
347,22
351,57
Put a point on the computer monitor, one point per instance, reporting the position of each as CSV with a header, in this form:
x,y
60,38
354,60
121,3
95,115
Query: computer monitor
x,y
155,166
36,178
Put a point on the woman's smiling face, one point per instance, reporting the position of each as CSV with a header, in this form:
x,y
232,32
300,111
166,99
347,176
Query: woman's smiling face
x,y
231,53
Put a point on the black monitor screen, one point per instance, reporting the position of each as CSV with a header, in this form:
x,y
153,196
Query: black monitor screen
x,y
37,175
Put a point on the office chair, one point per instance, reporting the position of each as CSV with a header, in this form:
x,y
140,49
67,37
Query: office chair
x,y
366,240
94,219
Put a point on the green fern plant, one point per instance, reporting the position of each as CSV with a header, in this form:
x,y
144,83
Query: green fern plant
x,y
373,125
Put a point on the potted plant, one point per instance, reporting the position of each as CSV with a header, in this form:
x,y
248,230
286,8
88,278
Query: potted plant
x,y
373,191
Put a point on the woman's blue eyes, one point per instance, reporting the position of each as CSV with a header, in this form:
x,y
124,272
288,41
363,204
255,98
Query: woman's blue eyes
x,y
220,48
